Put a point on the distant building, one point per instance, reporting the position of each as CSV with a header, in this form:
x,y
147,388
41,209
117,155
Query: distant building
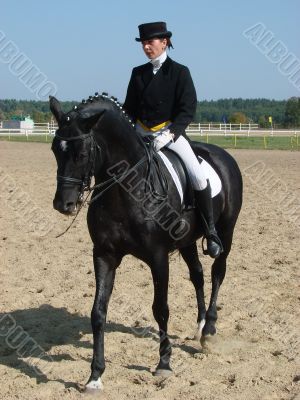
x,y
18,123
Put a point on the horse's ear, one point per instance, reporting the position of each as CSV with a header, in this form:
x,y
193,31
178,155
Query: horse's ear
x,y
56,109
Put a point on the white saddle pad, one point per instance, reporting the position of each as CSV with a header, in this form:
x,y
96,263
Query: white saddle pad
x,y
210,173
214,179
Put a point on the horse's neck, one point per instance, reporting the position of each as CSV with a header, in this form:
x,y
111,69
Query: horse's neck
x,y
121,145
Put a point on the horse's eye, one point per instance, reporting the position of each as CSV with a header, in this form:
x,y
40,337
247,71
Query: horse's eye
x,y
81,156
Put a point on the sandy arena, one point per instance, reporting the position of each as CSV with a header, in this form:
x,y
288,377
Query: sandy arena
x,y
47,289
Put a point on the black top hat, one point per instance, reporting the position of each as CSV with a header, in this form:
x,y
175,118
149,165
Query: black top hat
x,y
153,30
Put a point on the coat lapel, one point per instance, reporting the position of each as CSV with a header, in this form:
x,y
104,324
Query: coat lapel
x,y
147,74
159,81
166,67
148,77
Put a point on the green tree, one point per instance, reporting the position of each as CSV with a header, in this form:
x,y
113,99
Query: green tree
x,y
292,113
263,121
238,118
207,110
39,117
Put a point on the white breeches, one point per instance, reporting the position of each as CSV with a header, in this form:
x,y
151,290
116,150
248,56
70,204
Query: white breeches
x,y
185,152
195,171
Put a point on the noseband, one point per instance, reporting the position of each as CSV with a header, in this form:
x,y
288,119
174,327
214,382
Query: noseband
x,y
84,183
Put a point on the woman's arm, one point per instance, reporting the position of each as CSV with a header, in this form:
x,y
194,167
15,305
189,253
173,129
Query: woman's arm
x,y
185,103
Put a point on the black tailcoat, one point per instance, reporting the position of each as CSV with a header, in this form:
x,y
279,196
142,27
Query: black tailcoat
x,y
168,95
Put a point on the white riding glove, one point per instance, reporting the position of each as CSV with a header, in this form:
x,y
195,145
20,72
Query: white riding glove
x,y
162,140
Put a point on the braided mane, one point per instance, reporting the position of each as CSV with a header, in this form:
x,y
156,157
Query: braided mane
x,y
104,97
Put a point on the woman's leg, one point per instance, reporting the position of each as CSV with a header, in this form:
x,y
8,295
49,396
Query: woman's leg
x,y
186,153
202,194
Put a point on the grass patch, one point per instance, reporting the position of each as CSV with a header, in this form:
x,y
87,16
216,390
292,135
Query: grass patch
x,y
227,142
242,142
29,138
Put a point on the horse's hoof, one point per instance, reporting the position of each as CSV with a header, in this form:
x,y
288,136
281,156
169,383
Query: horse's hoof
x,y
207,342
93,387
163,373
198,333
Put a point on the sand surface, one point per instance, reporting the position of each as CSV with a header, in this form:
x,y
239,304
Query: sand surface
x,y
47,289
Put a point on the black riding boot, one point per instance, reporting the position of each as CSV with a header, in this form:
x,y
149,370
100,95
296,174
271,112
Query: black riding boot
x,y
205,212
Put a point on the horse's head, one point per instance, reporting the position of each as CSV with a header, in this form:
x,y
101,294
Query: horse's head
x,y
75,149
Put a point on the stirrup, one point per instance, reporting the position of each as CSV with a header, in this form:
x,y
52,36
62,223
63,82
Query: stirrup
x,y
215,238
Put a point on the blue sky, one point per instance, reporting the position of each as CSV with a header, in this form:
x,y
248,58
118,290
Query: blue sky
x,y
85,46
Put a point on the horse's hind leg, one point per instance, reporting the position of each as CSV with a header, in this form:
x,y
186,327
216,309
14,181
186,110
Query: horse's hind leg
x,y
217,276
190,256
160,272
105,267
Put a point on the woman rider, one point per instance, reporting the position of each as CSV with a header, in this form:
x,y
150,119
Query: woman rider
x,y
161,98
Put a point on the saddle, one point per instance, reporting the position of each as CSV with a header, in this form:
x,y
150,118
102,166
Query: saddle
x,y
167,158
183,176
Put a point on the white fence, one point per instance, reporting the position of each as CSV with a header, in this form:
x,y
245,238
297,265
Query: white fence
x,y
222,127
212,129
238,129
39,129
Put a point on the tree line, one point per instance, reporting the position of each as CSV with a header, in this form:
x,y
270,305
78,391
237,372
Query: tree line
x,y
283,113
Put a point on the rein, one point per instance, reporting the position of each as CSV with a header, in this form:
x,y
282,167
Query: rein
x,y
153,170
113,180
85,183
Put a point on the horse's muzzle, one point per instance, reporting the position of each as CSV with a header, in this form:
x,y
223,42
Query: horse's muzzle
x,y
68,208
67,199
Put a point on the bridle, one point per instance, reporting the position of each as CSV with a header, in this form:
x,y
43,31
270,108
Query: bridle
x,y
85,183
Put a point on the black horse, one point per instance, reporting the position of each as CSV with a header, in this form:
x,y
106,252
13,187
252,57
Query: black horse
x,y
129,214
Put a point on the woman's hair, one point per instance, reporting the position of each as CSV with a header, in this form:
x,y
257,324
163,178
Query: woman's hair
x,y
169,43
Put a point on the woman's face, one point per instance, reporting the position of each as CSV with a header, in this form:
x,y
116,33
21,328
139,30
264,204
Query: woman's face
x,y
153,48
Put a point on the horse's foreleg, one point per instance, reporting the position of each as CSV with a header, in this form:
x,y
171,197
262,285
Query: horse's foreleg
x,y
160,274
190,256
105,266
217,276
